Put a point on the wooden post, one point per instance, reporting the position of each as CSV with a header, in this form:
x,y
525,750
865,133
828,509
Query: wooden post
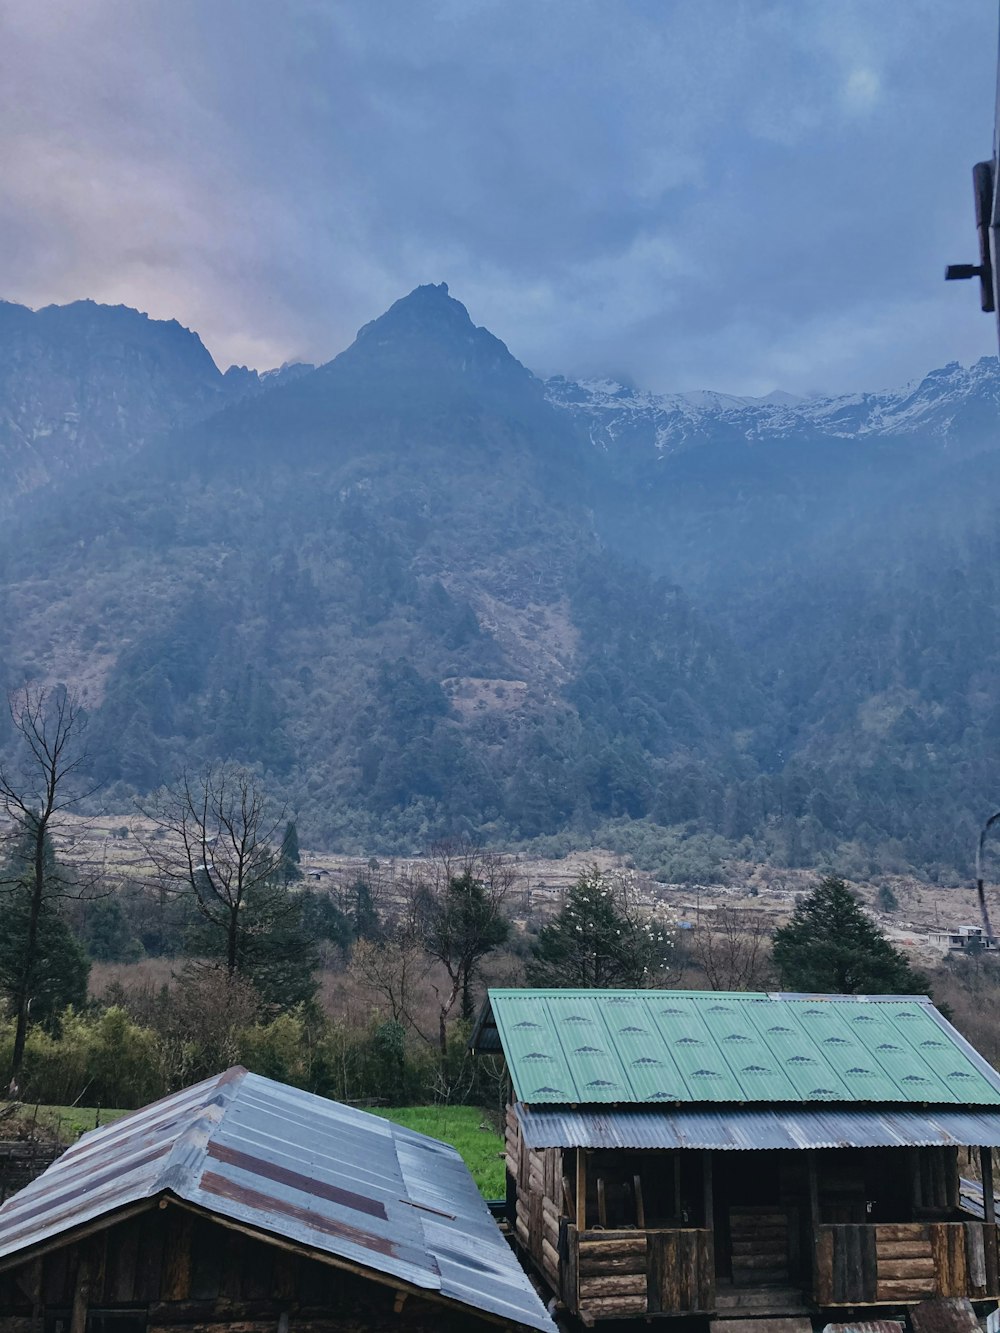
x,y
569,1208
989,1218
812,1182
602,1207
986,1167
951,1179
81,1293
677,1188
706,1176
916,1195
640,1210
581,1190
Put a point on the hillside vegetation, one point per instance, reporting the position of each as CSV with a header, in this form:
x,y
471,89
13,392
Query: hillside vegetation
x,y
427,595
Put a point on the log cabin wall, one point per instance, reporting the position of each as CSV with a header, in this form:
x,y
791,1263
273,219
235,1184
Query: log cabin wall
x,y
621,1266
167,1270
539,1202
891,1264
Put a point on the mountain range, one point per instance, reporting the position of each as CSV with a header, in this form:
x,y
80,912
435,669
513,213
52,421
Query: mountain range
x,y
427,592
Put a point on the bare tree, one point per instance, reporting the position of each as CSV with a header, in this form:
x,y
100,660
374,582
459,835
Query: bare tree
x,y
35,789
732,949
393,969
220,842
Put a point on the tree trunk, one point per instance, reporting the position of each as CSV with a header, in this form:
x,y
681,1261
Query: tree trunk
x,y
443,1032
232,942
30,948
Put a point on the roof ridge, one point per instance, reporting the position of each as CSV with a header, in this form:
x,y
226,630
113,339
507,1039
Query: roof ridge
x,y
191,1147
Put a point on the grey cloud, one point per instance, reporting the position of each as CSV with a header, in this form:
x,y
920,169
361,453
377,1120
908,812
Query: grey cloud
x,y
726,194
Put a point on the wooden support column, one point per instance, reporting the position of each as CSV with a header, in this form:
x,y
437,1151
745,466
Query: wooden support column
x,y
640,1208
951,1179
81,1293
986,1167
581,1191
989,1218
706,1177
677,1187
812,1183
916,1195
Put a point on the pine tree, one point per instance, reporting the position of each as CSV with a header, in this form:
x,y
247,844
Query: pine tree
x,y
51,974
290,858
601,938
831,946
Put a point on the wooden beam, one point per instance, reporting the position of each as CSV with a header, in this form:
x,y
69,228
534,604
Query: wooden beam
x,y
677,1187
989,1202
81,1293
640,1210
602,1206
812,1185
706,1177
569,1208
581,1190
916,1195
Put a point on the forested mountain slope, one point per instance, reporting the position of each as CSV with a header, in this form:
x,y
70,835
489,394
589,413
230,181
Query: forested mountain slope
x,y
428,593
84,383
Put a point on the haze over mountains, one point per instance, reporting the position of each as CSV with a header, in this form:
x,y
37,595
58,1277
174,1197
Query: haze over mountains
x,y
428,593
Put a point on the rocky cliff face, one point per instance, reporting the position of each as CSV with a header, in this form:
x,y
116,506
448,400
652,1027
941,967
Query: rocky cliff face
x,y
83,384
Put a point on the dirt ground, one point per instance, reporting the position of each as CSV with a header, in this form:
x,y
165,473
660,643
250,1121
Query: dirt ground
x,y
111,847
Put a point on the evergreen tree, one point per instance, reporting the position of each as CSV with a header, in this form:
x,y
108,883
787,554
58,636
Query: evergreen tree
x,y
34,790
465,923
831,946
600,938
364,918
52,973
290,868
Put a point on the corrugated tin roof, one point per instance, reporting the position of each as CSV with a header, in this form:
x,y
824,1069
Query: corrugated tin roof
x,y
746,1129
971,1197
579,1046
287,1163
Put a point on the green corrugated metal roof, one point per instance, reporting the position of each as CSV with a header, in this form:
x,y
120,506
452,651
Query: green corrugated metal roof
x,y
578,1047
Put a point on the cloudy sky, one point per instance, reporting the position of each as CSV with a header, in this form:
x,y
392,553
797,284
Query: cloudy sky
x,y
729,194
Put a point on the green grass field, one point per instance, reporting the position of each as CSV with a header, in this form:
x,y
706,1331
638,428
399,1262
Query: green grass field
x,y
466,1128
69,1122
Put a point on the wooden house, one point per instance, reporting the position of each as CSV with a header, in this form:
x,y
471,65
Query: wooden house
x,y
728,1155
247,1206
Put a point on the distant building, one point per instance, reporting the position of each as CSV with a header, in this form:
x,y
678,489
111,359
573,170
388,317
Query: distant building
x,y
961,938
244,1204
731,1154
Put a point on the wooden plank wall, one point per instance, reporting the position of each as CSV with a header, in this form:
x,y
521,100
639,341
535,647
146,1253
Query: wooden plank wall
x,y
189,1273
760,1242
904,1262
539,1210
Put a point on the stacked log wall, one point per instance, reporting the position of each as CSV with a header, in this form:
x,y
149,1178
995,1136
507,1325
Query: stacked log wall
x,y
539,1209
905,1262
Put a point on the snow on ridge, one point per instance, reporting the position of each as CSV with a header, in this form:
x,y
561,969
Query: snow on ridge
x,y
673,420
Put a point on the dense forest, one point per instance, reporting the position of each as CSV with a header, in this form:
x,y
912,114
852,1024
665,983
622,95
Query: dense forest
x,y
427,595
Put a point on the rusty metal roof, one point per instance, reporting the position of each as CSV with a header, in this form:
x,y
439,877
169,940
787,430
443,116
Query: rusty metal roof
x,y
289,1164
580,1047
750,1129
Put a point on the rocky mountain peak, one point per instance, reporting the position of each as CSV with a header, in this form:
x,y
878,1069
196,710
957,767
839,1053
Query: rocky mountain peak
x,y
429,337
